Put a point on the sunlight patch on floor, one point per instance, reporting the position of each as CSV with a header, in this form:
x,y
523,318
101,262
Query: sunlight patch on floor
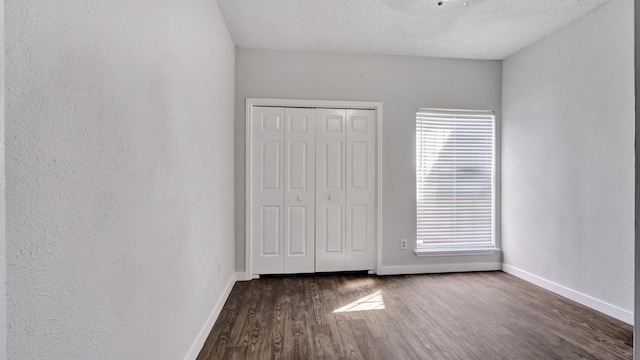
x,y
369,302
352,284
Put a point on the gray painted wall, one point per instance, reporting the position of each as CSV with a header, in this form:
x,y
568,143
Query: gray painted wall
x,y
119,143
402,83
568,156
636,341
3,239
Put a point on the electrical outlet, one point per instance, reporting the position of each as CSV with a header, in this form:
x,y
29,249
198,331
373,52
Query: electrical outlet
x,y
403,244
219,267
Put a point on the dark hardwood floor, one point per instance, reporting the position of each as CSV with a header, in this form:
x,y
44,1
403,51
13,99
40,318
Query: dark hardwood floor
x,y
489,315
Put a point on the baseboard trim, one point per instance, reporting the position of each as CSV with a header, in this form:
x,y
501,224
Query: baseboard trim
x,y
439,268
586,300
242,276
211,320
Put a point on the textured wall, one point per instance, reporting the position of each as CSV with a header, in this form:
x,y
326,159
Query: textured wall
x,y
119,163
3,259
402,83
636,327
568,156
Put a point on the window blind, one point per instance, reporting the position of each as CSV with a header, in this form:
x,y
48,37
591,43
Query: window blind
x,y
455,179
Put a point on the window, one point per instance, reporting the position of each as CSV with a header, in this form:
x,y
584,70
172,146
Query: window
x,y
455,180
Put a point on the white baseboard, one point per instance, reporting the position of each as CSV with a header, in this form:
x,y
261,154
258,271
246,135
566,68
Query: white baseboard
x,y
586,300
438,268
242,276
211,320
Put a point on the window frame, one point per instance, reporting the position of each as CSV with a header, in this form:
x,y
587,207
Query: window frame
x,y
422,251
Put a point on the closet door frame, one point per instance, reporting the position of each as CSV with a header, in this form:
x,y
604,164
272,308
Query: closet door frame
x,y
362,105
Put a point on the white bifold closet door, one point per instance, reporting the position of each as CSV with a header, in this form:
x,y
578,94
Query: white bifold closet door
x,y
312,183
345,189
283,190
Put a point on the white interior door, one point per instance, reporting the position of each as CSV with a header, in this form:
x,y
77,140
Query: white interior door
x,y
299,195
330,189
312,190
267,189
360,189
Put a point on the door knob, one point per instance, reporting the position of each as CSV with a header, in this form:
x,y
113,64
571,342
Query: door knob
x,y
330,197
299,198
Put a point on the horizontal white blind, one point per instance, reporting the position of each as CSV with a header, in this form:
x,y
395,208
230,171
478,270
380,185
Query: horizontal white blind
x,y
455,179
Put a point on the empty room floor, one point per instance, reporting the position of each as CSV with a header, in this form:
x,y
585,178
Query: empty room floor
x,y
490,315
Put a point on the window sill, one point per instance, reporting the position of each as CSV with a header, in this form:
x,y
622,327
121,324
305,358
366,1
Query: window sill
x,y
455,252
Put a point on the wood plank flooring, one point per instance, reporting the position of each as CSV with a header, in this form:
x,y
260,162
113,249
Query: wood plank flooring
x,y
489,315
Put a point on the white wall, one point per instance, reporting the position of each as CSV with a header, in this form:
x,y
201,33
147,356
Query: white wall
x,y
568,157
3,241
636,327
119,173
403,84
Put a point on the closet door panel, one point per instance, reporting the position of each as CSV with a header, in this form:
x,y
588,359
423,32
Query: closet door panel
x,y
333,225
330,189
360,189
270,231
299,195
312,195
267,189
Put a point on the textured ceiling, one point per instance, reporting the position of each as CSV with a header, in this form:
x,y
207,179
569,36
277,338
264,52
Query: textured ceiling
x,y
483,29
